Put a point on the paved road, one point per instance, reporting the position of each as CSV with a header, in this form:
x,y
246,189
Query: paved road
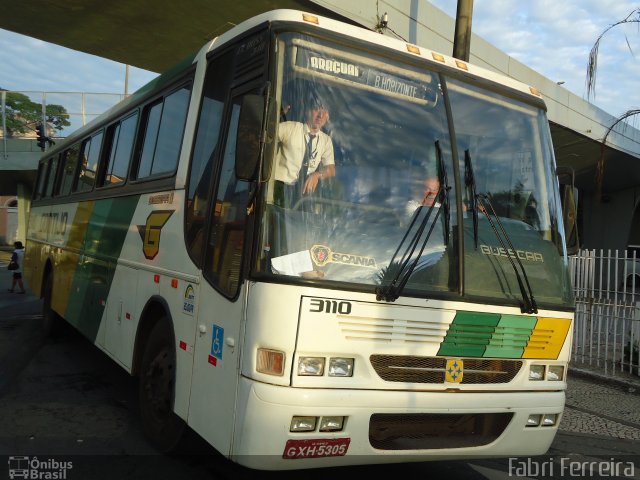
x,y
62,399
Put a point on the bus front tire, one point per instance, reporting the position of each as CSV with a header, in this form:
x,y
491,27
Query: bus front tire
x,y
162,427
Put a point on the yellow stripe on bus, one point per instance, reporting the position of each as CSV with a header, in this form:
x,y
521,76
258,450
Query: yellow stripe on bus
x,y
67,260
547,338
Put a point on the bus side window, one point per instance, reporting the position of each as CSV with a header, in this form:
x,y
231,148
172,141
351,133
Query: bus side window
x,y
89,157
69,164
119,145
226,235
218,79
164,128
51,179
42,177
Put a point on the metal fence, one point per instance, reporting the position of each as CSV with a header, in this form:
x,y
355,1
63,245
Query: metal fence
x,y
60,112
607,322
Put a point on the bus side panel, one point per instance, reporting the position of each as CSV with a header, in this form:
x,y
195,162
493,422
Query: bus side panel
x,y
36,249
102,242
182,300
121,318
153,264
69,227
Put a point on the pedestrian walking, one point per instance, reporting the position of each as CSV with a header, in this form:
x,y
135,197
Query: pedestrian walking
x,y
15,265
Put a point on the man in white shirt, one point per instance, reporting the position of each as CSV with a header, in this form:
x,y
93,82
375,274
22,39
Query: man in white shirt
x,y
304,156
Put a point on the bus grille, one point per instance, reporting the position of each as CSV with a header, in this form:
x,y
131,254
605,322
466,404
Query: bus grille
x,y
435,431
413,369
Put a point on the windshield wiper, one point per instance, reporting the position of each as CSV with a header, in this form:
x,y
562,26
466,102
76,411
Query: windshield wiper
x,y
445,197
408,262
470,183
529,303
405,266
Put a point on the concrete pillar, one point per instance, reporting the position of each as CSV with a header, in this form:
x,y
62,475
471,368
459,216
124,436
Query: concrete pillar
x,y
24,207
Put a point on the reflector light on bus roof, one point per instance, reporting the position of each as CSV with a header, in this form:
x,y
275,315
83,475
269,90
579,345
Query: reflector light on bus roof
x,y
437,57
461,65
535,91
310,18
413,49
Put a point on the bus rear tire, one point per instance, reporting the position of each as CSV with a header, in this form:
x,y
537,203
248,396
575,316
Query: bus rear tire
x,y
162,427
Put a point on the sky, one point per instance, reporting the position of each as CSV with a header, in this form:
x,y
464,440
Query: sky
x,y
552,37
28,64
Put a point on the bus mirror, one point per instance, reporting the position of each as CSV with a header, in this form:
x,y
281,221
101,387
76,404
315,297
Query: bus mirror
x,y
569,195
248,138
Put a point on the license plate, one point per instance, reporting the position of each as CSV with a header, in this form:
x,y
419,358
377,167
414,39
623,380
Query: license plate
x,y
314,448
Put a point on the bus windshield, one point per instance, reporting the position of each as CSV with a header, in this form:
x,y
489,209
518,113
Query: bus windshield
x,y
362,186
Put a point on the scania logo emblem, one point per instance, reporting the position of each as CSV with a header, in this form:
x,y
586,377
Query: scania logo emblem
x,y
320,255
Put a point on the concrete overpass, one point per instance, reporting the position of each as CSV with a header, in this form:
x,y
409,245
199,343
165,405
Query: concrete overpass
x,y
162,32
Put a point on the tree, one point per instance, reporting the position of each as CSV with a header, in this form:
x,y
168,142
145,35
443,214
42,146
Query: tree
x,y
592,70
23,114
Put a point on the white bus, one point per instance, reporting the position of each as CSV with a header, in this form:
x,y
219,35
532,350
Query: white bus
x,y
355,323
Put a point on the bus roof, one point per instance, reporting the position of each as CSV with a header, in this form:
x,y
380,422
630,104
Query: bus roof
x,y
324,23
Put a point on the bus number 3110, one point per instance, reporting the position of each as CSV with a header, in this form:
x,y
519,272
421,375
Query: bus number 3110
x,y
330,306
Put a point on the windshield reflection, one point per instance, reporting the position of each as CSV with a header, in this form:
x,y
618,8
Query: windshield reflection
x,y
355,159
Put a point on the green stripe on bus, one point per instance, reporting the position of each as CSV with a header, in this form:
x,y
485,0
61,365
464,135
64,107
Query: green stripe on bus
x,y
101,247
487,335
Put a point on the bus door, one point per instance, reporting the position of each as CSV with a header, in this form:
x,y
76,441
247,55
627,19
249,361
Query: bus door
x,y
222,299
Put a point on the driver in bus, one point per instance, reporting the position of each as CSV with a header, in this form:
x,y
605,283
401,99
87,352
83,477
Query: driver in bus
x,y
304,156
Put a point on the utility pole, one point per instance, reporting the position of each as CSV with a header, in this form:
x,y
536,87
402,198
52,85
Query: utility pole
x,y
462,35
126,80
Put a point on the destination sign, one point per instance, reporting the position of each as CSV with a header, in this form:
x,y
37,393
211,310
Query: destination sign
x,y
361,74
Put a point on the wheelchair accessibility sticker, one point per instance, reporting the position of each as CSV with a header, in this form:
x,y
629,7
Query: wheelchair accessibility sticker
x,y
217,338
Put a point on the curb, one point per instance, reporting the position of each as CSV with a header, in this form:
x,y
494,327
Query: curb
x,y
630,384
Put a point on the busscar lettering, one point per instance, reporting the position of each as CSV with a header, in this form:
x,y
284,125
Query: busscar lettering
x,y
507,252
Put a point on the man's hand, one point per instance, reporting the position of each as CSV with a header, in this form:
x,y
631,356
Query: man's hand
x,y
312,182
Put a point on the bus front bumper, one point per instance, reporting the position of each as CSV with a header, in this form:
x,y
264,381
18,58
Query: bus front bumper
x,y
385,426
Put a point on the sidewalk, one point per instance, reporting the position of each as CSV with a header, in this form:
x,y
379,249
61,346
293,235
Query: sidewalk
x,y
595,373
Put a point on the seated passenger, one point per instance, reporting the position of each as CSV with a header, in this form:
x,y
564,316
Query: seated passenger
x,y
427,196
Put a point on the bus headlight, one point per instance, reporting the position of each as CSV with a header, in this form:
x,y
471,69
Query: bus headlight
x,y
303,424
536,372
555,373
331,424
340,367
534,420
313,366
549,419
